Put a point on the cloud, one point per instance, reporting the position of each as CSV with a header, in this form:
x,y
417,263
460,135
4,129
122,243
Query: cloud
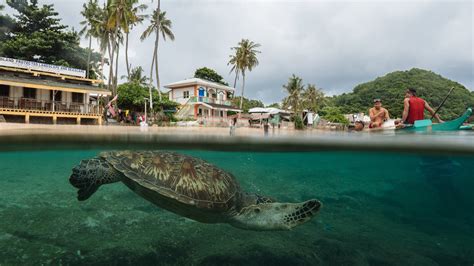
x,y
333,44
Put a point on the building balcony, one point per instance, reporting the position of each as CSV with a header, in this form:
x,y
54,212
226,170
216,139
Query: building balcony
x,y
20,103
200,99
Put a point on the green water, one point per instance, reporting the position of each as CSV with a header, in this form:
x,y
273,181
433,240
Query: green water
x,y
379,209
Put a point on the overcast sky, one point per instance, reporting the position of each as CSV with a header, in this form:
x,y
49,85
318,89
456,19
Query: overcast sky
x,y
333,44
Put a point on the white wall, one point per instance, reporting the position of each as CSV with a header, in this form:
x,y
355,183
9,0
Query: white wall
x,y
177,94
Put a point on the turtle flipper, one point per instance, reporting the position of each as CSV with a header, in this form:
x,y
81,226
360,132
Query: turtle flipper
x,y
89,175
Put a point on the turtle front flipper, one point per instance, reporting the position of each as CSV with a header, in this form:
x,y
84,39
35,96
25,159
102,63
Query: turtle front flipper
x,y
89,175
276,215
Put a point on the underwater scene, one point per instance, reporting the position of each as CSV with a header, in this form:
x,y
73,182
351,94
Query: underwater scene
x,y
377,209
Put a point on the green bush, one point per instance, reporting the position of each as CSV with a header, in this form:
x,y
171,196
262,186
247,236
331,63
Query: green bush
x,y
334,114
298,122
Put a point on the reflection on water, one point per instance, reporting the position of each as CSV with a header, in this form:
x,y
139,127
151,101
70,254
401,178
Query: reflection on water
x,y
379,209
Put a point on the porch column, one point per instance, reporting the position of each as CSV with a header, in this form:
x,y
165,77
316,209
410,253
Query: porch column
x,y
27,119
54,98
78,120
55,119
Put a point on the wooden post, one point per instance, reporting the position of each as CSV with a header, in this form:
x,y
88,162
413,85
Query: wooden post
x,y
55,119
100,120
78,120
27,119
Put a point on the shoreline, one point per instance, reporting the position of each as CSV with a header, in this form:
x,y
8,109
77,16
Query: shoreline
x,y
60,137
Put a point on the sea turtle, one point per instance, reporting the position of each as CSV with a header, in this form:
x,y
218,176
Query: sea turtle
x,y
190,187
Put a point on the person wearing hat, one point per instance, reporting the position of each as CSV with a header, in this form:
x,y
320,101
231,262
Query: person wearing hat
x,y
414,108
378,114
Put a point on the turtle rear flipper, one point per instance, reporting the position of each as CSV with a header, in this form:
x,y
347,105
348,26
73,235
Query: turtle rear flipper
x,y
89,175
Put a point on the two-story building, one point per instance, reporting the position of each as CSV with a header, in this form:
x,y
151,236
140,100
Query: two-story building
x,y
201,99
42,93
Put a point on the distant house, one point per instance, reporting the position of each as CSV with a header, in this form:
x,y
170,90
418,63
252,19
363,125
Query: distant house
x,y
43,93
202,99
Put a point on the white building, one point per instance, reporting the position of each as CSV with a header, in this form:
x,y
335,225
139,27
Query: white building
x,y
201,99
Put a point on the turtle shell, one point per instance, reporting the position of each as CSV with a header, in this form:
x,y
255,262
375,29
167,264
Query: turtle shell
x,y
181,177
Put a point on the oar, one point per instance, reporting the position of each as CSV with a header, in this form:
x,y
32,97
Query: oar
x,y
427,122
442,103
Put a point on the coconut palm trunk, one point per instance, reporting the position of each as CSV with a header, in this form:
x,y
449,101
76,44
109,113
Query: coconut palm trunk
x,y
116,68
89,56
151,75
157,41
126,55
236,77
243,87
111,64
114,44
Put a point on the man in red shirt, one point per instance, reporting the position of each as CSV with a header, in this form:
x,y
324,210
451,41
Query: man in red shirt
x,y
414,108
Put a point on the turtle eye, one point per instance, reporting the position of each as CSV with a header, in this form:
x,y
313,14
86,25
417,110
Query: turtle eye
x,y
256,210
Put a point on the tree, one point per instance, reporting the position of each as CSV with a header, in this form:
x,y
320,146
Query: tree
x,y
133,96
6,26
245,59
313,98
131,19
274,105
159,24
136,76
334,114
233,61
209,74
294,88
38,35
89,12
391,90
247,103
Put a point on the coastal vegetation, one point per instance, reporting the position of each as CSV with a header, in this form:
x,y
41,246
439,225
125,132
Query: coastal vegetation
x,y
159,25
36,34
41,36
391,90
246,103
243,59
210,75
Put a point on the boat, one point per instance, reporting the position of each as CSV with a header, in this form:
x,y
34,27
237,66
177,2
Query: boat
x,y
452,125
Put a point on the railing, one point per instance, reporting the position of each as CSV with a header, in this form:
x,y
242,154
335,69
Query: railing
x,y
199,99
44,105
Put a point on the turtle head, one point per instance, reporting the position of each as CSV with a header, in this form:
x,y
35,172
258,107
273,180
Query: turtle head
x,y
275,215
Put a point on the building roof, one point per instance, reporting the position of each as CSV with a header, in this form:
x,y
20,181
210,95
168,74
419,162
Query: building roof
x,y
48,84
198,81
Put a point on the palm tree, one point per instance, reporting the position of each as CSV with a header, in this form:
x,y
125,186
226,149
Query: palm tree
x,y
131,18
89,12
115,21
159,24
235,66
294,88
101,31
245,59
136,75
313,98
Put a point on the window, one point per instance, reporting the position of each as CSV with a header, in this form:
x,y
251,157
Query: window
x,y
77,97
57,96
29,93
185,94
4,91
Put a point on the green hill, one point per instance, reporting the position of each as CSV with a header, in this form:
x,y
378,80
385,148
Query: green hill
x,y
391,89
